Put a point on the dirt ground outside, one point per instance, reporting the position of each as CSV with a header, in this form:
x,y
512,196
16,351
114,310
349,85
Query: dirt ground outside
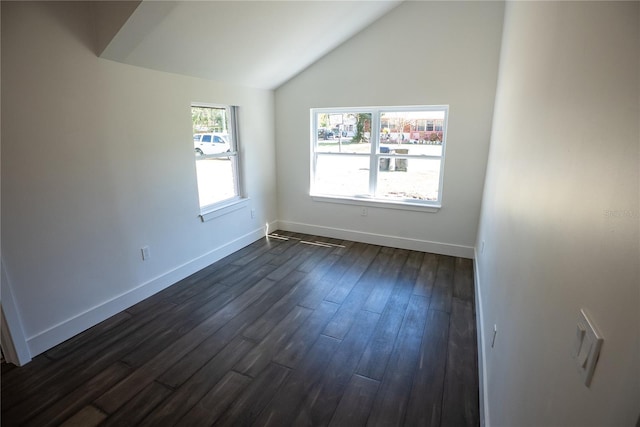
x,y
398,178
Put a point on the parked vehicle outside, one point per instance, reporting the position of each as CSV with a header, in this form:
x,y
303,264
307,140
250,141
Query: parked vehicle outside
x,y
210,143
325,134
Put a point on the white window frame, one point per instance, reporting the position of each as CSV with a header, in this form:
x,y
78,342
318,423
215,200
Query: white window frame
x,y
222,207
374,156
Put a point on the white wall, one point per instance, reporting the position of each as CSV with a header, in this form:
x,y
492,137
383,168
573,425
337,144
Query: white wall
x,y
560,215
419,53
97,161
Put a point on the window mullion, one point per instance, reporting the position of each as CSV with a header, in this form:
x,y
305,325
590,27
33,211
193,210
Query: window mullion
x,y
314,152
375,142
235,146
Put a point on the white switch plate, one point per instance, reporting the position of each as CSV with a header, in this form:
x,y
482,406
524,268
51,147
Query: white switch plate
x,y
586,348
495,332
145,253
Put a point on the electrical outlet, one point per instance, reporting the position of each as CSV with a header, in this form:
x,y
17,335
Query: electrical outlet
x,y
145,253
364,211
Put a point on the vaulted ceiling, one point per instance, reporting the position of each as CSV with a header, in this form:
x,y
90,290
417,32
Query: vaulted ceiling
x,y
250,43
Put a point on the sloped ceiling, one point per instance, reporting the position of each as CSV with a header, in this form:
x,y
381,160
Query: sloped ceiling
x,y
250,43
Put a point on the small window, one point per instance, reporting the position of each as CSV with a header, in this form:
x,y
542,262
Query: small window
x,y
393,155
429,125
216,163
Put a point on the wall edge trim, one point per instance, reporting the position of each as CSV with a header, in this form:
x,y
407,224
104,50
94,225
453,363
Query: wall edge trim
x,y
483,394
14,342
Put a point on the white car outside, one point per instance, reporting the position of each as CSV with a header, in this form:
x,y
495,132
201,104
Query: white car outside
x,y
210,143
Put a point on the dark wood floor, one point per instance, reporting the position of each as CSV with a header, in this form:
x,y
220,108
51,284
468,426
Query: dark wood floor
x,y
283,332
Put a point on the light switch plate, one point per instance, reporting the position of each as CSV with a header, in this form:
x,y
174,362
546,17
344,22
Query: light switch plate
x,y
587,344
579,339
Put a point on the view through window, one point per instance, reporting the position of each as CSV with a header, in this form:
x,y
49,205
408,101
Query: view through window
x,y
386,154
216,154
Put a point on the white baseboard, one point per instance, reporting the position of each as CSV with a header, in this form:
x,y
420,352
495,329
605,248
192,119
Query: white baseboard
x,y
379,239
64,330
482,365
80,322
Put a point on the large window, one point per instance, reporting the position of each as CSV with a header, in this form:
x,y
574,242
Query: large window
x,y
386,154
215,143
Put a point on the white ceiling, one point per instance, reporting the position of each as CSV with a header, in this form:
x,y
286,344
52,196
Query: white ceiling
x,y
251,43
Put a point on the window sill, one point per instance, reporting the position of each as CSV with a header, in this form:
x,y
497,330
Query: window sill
x,y
407,206
213,212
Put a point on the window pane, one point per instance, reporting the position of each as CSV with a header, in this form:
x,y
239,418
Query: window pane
x,y
343,132
215,180
405,127
411,178
342,175
209,119
215,152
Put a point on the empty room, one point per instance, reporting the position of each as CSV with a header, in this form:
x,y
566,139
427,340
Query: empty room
x,y
382,213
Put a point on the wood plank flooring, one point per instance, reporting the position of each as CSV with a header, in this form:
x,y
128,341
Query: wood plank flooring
x,y
292,330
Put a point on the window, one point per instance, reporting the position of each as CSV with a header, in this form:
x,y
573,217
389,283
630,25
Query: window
x,y
215,141
429,125
393,155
